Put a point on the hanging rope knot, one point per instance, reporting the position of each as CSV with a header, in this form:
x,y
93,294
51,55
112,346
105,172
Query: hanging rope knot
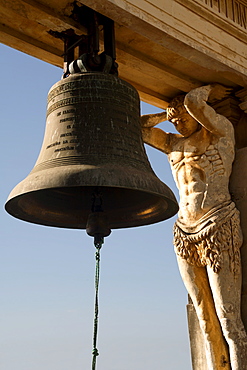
x,y
97,255
95,352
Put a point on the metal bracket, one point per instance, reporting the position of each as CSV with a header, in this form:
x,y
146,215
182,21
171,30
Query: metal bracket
x,y
100,30
81,64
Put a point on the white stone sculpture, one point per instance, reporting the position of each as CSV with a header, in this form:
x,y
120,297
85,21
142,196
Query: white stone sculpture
x,y
207,234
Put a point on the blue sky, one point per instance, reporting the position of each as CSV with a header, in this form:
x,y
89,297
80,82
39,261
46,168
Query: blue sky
x,y
47,274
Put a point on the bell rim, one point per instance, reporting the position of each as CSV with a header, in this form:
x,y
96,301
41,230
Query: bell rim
x,y
169,205
105,175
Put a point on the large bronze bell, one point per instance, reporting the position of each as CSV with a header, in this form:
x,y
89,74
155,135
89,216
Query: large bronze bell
x,y
92,144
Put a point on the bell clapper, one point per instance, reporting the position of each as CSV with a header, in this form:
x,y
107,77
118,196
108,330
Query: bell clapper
x,y
97,222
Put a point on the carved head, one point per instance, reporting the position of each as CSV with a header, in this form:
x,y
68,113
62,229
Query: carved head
x,y
175,107
184,123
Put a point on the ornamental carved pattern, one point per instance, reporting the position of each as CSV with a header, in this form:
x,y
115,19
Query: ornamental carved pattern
x,y
234,10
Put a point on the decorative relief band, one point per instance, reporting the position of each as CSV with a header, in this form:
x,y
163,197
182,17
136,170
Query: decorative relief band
x,y
82,85
235,10
85,100
118,159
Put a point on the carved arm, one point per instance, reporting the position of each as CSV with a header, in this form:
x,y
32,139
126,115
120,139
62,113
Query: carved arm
x,y
151,120
196,104
154,136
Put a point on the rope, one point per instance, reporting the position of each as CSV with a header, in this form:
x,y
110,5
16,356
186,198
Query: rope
x,y
98,244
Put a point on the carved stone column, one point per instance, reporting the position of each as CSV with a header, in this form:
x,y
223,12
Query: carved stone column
x,y
238,188
235,110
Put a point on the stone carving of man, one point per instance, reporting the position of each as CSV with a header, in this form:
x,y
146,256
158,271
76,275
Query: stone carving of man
x,y
207,234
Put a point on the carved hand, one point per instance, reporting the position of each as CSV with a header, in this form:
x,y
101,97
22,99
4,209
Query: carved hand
x,y
218,92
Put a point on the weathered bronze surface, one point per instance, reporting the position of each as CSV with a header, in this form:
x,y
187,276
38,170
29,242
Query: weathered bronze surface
x,y
92,140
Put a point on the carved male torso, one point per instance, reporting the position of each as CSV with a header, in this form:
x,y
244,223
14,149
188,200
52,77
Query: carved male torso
x,y
201,172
